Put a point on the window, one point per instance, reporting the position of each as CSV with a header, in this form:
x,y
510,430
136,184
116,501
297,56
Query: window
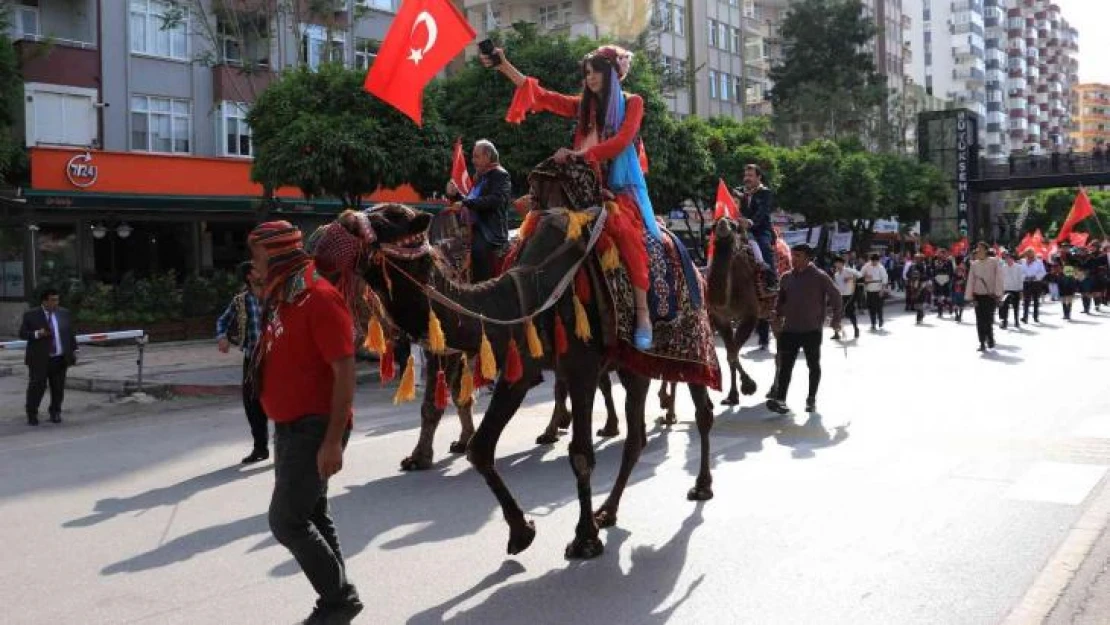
x,y
365,52
734,40
737,88
725,81
491,17
722,35
678,19
712,84
57,115
381,5
711,32
12,249
322,46
148,35
234,129
550,15
27,21
160,124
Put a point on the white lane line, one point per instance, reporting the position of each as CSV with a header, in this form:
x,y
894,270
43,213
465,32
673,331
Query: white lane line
x,y
1057,482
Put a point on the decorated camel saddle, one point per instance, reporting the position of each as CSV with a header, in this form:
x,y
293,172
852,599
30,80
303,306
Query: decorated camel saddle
x,y
683,347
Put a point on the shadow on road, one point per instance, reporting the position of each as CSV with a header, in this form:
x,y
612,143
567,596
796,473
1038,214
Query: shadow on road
x,y
574,591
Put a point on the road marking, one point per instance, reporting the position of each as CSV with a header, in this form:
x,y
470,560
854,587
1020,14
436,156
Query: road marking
x,y
1053,580
1057,482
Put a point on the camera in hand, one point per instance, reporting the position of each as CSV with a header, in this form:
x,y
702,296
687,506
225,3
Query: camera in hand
x,y
485,46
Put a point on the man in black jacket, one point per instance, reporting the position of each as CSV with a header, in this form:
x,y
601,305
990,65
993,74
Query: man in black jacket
x,y
757,204
51,349
488,206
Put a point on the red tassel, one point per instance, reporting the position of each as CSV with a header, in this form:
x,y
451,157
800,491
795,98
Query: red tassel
x,y
479,381
560,336
387,368
442,392
582,286
514,369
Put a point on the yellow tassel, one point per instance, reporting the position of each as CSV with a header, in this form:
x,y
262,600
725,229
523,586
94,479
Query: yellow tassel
x,y
407,390
375,336
575,221
466,383
611,259
581,322
612,208
485,359
437,343
535,347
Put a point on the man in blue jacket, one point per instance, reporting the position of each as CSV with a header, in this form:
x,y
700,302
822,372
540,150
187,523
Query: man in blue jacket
x,y
488,207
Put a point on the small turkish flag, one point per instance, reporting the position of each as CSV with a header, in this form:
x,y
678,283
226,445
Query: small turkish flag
x,y
459,175
726,204
424,37
1080,210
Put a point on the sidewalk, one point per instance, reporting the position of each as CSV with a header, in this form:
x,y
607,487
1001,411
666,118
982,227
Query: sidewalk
x,y
184,368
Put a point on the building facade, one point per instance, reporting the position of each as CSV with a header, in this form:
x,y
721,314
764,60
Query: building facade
x,y
139,149
1090,124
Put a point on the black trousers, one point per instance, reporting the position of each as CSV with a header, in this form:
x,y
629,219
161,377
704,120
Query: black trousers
x,y
299,516
52,375
1031,296
256,417
850,309
1011,301
483,258
788,345
875,307
984,318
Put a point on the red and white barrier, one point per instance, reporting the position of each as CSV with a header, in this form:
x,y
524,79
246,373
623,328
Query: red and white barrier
x,y
83,339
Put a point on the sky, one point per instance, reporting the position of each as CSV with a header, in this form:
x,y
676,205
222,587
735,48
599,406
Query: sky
x,y
1090,17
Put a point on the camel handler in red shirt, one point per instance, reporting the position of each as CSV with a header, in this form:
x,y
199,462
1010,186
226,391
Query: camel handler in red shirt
x,y
304,369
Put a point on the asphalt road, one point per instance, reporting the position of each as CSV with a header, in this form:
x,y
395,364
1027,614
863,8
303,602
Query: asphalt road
x,y
935,485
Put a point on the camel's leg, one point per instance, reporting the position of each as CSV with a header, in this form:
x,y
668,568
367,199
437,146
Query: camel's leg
x,y
728,335
421,456
560,416
668,392
464,406
504,402
582,387
635,398
743,332
612,427
703,487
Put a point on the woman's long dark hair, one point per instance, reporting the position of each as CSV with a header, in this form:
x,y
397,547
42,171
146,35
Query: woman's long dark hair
x,y
595,104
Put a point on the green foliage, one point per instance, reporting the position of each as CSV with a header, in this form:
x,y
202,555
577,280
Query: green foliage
x,y
826,85
150,300
12,158
1050,209
320,132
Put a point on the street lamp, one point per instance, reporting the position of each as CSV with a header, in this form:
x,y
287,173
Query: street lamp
x,y
99,231
124,230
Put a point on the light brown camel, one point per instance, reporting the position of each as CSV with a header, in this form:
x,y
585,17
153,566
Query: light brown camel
x,y
403,270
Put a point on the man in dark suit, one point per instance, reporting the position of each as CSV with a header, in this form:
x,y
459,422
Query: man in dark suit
x,y
51,349
488,204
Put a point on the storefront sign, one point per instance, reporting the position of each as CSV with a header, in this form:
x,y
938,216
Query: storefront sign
x,y
80,170
840,241
964,140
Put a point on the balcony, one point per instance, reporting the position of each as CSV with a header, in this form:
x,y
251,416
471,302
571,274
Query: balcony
x,y
59,62
230,83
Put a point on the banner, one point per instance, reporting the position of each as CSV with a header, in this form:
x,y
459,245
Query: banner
x,y
810,236
840,241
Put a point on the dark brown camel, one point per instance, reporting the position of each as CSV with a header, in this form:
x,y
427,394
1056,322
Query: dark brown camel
x,y
732,298
399,266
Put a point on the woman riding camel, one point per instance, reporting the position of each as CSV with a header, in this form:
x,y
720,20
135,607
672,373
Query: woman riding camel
x,y
606,136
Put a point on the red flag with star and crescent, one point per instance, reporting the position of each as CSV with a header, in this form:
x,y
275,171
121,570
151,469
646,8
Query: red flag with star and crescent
x,y
726,204
424,37
459,175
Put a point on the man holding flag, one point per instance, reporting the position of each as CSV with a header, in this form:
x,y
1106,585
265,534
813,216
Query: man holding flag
x,y
757,203
487,207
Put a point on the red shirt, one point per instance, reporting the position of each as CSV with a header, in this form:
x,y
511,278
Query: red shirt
x,y
567,106
299,343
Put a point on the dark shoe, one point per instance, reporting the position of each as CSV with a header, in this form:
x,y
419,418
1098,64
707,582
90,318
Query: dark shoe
x,y
990,343
777,406
836,336
56,417
811,405
857,332
258,455
1003,324
341,614
1025,320
32,419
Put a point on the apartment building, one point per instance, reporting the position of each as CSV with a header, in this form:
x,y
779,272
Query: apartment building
x,y
1090,124
139,149
707,39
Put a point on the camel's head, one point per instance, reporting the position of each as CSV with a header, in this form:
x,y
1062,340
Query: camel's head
x,y
574,184
728,229
392,231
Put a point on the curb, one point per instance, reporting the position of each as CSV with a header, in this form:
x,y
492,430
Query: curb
x,y
164,390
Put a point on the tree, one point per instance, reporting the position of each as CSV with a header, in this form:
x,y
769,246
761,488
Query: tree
x,y
12,157
320,132
907,191
826,85
1050,209
475,100
811,181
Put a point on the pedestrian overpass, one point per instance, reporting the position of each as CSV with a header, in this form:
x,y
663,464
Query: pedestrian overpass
x,y
1047,171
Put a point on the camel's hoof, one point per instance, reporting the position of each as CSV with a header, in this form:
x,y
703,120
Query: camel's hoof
x,y
563,421
520,539
605,518
609,431
547,439
584,548
748,386
667,420
415,464
700,493
732,400
459,447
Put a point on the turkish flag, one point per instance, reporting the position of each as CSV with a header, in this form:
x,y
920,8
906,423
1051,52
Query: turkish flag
x,y
929,250
726,204
1079,239
1080,210
1038,244
459,175
424,37
959,248
1026,242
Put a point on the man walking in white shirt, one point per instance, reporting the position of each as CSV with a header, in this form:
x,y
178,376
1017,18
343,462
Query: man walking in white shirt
x,y
1034,273
1013,282
875,281
846,278
985,288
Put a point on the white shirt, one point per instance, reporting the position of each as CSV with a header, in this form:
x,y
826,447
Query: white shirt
x,y
1034,270
1013,277
874,277
845,280
755,250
